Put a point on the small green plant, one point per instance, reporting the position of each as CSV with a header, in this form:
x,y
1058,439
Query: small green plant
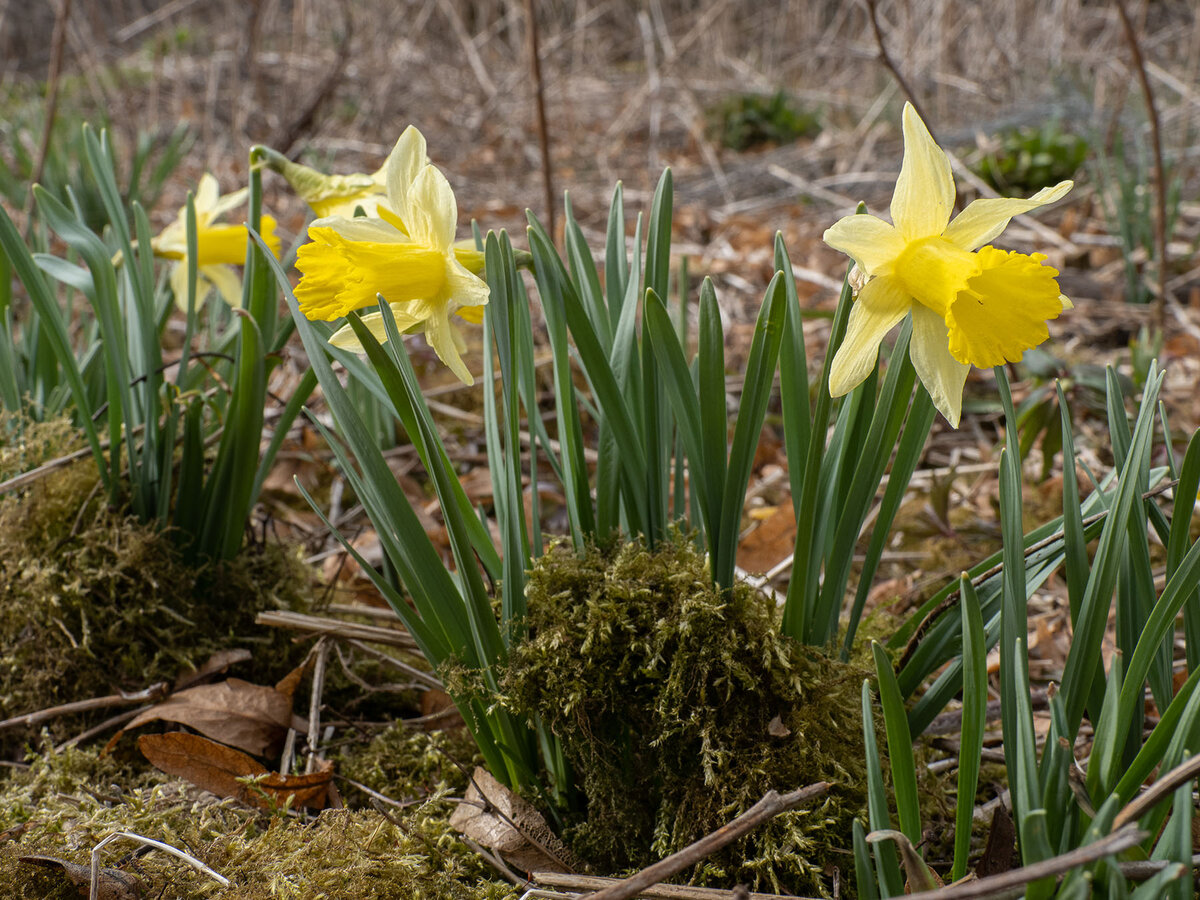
x,y
1025,159
93,348
745,121
1056,812
1123,179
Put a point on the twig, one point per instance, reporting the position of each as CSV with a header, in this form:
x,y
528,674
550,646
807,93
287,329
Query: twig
x,y
119,719
1163,786
287,138
535,69
350,630
94,893
57,42
1012,882
153,693
468,46
494,860
314,705
885,59
1160,181
658,891
413,672
771,805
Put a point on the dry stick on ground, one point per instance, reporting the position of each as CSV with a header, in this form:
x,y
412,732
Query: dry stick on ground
x,y
314,706
535,69
1160,181
1013,882
57,42
771,805
657,892
153,693
1161,788
373,634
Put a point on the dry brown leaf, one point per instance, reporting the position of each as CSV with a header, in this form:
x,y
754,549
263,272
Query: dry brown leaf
x,y
216,664
770,543
208,765
495,817
438,708
287,686
216,768
248,716
113,884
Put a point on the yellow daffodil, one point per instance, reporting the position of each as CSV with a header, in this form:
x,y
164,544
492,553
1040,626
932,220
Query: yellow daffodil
x,y
332,195
407,256
219,247
971,304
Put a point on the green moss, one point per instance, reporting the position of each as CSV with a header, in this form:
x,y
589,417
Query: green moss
x,y
663,693
405,764
93,601
68,802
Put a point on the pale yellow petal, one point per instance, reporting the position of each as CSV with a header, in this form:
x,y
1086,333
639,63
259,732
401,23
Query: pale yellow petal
x,y
227,283
442,335
346,339
924,194
403,164
431,213
463,288
361,228
225,204
983,220
868,240
179,283
207,193
348,207
942,374
880,305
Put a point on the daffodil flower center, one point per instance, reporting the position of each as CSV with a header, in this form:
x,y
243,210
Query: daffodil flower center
x,y
1003,310
341,275
933,271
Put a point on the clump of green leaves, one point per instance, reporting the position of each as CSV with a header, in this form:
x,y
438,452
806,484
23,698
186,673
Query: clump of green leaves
x,y
93,601
745,121
1028,159
678,706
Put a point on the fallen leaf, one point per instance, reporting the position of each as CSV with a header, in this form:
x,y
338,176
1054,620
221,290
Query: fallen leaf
x,y
770,543
288,684
113,884
248,716
216,768
918,876
776,728
216,664
439,712
1000,852
495,817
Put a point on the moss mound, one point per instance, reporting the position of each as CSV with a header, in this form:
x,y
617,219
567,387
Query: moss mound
x,y
678,708
67,802
93,601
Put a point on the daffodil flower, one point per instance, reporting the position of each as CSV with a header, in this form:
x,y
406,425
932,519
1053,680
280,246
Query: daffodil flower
x,y
332,195
406,255
971,304
219,247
